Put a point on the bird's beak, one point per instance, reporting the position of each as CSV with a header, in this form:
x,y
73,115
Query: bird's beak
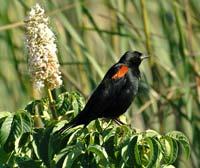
x,y
144,57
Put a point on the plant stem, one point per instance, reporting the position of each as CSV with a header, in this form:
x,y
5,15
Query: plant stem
x,y
38,123
146,29
52,105
37,118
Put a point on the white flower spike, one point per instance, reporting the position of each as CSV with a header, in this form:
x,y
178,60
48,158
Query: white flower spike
x,y
42,62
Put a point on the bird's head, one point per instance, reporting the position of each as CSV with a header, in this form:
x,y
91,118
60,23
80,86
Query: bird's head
x,y
132,58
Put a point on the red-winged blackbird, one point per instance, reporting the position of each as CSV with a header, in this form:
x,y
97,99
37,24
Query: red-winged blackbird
x,y
114,94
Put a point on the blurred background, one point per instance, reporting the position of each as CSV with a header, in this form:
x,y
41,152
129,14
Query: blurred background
x,y
91,35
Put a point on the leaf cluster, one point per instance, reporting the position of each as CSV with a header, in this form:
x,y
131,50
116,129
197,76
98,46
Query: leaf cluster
x,y
101,144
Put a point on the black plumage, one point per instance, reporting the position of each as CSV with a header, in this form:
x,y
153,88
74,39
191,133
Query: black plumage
x,y
114,94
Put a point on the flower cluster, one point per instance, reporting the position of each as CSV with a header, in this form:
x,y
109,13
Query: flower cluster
x,y
42,62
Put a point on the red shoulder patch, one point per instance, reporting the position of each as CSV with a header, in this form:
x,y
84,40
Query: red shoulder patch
x,y
121,72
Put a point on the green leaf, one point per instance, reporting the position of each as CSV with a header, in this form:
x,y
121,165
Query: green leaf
x,y
152,133
100,152
108,133
75,133
137,153
24,162
133,152
24,139
4,156
38,106
26,122
63,152
167,166
71,158
41,139
62,156
170,149
18,124
5,129
4,114
109,143
69,101
182,139
153,153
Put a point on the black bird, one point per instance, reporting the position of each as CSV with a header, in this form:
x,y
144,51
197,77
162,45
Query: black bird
x,y
114,94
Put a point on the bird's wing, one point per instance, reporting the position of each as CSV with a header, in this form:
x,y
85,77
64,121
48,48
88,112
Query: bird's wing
x,y
107,91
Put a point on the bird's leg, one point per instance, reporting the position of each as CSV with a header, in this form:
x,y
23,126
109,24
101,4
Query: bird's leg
x,y
119,122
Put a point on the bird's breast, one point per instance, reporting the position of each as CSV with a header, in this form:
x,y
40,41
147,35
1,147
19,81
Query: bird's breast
x,y
132,84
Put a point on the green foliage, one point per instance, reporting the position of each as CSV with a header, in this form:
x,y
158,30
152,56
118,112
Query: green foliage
x,y
101,144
